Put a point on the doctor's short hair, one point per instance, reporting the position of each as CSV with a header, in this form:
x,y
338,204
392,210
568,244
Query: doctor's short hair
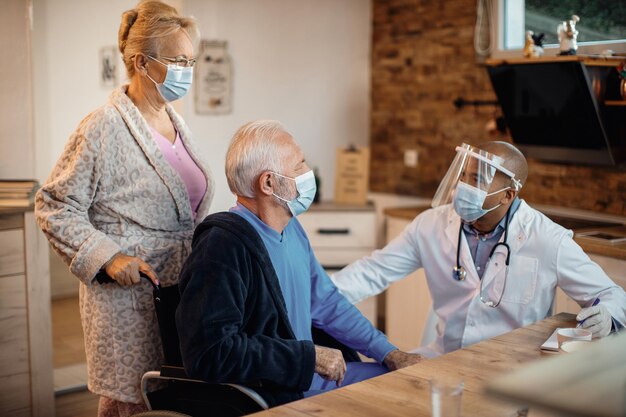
x,y
254,149
514,159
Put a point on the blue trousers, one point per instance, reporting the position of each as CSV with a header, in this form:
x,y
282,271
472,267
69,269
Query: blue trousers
x,y
356,372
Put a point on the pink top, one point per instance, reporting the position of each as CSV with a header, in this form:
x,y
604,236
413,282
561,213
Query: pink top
x,y
178,157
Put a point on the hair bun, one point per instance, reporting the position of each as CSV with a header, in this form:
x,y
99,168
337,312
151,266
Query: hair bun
x,y
128,19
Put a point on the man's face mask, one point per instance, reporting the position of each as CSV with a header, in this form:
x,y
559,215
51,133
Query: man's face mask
x,y
306,188
177,81
469,200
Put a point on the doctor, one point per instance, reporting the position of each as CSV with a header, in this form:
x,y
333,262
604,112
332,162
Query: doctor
x,y
491,261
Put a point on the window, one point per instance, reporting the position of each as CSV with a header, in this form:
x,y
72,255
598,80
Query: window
x,y
602,24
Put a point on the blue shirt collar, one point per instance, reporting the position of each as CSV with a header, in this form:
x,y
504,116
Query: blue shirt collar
x,y
257,223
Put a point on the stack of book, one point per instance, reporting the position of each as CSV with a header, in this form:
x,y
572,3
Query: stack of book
x,y
17,193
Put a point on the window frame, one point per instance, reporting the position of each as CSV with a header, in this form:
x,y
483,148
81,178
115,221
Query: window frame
x,y
497,35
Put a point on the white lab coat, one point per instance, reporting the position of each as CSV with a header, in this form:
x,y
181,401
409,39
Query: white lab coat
x,y
543,256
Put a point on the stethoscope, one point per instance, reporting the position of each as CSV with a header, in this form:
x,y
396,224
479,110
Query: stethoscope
x,y
459,273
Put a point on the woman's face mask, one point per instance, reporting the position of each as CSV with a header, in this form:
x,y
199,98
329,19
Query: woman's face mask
x,y
306,188
177,81
468,202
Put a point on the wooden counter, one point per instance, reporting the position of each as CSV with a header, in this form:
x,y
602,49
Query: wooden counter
x,y
587,59
406,392
617,251
332,206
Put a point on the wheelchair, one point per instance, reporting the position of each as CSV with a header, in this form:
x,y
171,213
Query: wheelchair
x,y
179,395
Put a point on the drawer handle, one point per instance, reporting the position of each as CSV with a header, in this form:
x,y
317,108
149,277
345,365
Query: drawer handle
x,y
332,268
333,231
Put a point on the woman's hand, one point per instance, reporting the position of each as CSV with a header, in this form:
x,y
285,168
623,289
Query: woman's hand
x,y
125,270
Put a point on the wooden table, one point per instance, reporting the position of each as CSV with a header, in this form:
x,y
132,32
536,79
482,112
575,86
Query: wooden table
x,y
407,393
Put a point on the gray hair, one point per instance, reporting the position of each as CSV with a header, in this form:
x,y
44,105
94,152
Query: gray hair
x,y
254,149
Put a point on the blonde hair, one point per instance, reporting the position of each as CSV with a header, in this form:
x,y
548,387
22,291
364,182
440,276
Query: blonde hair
x,y
143,27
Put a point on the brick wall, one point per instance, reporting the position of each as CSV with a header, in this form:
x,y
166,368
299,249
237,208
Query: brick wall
x,y
422,59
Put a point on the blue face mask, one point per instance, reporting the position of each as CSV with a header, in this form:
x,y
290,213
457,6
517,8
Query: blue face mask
x,y
305,185
177,81
468,202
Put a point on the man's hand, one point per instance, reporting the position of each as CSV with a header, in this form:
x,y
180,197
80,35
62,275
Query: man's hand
x,y
596,319
125,270
397,359
329,364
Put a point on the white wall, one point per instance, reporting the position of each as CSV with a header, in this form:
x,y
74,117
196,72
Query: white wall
x,y
17,146
67,37
303,62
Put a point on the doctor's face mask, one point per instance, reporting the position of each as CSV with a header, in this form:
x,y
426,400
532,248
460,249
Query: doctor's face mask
x,y
468,180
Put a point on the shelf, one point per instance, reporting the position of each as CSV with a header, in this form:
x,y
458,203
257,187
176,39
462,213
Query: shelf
x,y
588,60
615,103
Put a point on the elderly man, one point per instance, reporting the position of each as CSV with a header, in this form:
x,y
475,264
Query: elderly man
x,y
491,261
252,288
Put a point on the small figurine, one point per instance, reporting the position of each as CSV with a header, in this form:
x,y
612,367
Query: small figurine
x,y
533,48
567,36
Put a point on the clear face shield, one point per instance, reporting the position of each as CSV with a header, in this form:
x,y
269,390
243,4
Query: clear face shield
x,y
469,181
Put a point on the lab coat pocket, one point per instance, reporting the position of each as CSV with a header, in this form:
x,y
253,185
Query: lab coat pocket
x,y
493,280
521,281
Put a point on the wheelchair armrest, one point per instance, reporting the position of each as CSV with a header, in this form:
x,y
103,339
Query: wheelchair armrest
x,y
176,372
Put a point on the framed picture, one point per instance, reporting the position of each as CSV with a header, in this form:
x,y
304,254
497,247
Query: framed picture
x,y
108,67
213,79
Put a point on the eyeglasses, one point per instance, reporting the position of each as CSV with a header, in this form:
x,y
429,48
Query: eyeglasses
x,y
180,61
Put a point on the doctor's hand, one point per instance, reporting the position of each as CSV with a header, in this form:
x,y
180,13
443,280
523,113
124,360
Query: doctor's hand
x,y
329,364
397,359
597,319
125,270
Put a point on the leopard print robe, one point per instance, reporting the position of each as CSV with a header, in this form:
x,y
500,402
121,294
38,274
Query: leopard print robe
x,y
113,190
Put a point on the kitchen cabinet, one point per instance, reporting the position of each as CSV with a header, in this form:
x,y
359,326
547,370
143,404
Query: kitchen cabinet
x,y
340,234
564,109
25,335
407,302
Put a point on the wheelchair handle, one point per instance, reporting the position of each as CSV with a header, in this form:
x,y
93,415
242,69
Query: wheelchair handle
x,y
103,278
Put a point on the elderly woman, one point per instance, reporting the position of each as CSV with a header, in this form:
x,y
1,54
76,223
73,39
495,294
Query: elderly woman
x,y
123,199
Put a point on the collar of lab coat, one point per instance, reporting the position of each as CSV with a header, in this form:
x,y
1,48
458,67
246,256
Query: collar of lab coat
x,y
518,226
516,237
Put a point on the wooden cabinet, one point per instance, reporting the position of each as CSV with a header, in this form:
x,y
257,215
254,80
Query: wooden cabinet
x,y
339,235
25,336
407,302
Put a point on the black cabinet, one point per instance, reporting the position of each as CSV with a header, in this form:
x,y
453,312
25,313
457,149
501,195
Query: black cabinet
x,y
565,109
